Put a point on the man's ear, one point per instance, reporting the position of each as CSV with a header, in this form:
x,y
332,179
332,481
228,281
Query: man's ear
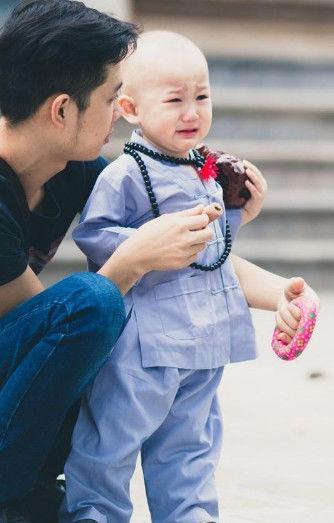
x,y
60,108
128,108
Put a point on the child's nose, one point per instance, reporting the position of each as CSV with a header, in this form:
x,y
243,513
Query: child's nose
x,y
190,115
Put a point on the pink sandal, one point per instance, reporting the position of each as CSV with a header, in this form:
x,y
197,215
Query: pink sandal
x,y
303,334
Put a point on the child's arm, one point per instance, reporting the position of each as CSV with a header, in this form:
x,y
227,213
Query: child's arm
x,y
257,186
268,291
102,226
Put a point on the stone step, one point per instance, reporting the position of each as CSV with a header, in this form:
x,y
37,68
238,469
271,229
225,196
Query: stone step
x,y
290,10
319,252
238,124
290,100
313,259
273,73
281,226
298,177
250,38
301,200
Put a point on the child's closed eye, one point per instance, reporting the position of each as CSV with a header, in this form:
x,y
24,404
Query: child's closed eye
x,y
173,100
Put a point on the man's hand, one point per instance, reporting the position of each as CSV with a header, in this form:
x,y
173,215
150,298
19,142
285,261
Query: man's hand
x,y
171,241
257,186
288,314
213,210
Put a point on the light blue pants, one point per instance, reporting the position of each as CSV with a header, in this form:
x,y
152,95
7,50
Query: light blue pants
x,y
172,417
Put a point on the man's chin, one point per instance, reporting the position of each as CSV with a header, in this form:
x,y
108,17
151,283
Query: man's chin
x,y
87,157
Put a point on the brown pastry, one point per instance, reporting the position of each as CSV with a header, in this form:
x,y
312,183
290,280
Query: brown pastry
x,y
231,176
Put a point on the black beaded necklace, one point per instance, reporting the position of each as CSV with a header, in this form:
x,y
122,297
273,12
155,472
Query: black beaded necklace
x,y
195,159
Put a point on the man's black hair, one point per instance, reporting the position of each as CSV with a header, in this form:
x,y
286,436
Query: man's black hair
x,y
57,46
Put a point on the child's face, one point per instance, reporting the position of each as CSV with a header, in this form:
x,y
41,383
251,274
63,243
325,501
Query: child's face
x,y
174,108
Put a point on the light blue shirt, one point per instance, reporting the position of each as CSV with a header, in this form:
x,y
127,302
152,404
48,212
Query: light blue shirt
x,y
186,318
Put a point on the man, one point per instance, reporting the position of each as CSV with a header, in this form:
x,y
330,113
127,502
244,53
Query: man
x,y
60,71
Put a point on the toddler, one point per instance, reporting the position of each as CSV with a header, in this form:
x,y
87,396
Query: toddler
x,y
156,395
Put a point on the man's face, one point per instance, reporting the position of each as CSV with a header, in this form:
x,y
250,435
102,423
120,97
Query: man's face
x,y
94,125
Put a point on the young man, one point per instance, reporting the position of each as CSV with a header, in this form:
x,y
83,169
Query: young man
x,y
59,75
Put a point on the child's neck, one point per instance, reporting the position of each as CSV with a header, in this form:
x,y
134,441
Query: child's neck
x,y
184,154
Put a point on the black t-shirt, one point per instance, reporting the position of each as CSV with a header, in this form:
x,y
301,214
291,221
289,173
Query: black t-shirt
x,y
32,238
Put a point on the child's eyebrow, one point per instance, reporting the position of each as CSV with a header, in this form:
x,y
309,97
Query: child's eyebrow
x,y
175,90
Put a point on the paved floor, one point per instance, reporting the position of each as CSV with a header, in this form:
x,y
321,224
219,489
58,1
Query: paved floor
x,y
278,458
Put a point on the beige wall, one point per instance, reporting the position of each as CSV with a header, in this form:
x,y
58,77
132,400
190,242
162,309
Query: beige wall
x,y
121,8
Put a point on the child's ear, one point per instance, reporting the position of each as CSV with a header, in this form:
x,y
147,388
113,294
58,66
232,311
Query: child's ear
x,y
128,108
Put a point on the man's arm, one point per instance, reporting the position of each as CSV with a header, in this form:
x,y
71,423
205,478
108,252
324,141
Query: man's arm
x,y
169,242
19,290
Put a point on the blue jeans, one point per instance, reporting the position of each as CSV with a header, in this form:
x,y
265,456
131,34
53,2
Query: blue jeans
x,y
51,348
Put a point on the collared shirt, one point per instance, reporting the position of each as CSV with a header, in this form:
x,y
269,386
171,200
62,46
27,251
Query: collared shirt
x,y
186,318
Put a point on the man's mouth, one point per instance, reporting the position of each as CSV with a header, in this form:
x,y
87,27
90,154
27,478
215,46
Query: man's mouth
x,y
107,138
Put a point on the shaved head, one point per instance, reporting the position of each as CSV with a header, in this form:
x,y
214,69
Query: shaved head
x,y
161,55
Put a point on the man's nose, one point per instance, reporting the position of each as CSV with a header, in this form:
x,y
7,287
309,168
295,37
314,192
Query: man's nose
x,y
117,113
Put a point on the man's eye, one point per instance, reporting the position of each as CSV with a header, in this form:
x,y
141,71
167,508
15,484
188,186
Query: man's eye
x,y
115,96
202,97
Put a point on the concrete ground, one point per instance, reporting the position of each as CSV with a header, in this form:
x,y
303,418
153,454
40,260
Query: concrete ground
x,y
277,464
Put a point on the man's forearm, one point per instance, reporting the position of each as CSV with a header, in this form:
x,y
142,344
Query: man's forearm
x,y
123,270
262,288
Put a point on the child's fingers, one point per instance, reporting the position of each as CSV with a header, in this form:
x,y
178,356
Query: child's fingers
x,y
257,179
288,318
295,311
251,166
253,189
283,326
284,338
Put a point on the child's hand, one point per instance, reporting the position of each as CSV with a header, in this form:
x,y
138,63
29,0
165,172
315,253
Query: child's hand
x,y
257,186
213,211
288,314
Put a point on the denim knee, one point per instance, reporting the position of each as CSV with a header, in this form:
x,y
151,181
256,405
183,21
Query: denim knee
x,y
100,301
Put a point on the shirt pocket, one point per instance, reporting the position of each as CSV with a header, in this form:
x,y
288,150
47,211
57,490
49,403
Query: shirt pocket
x,y
185,308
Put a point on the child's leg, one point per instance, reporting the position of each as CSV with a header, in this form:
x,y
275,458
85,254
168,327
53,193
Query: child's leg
x,y
125,405
180,458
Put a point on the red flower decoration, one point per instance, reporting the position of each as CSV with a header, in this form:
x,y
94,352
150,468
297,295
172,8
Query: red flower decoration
x,y
209,169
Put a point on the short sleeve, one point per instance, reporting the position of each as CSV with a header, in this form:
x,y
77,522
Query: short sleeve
x,y
13,259
13,234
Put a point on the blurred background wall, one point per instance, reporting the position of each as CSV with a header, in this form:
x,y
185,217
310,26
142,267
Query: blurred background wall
x,y
272,72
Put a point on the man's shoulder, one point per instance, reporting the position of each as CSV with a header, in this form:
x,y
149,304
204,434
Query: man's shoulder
x,y
88,169
77,180
13,204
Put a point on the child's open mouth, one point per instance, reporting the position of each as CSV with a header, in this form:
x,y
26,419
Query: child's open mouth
x,y
187,133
